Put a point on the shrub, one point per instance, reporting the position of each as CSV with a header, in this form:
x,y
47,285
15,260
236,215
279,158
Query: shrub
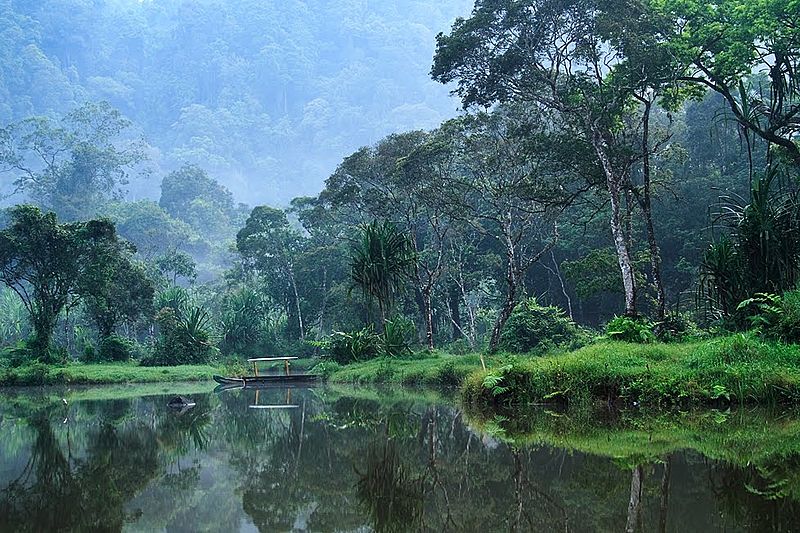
x,y
245,326
397,334
184,338
115,348
677,327
624,328
788,327
358,345
535,328
774,316
89,354
17,355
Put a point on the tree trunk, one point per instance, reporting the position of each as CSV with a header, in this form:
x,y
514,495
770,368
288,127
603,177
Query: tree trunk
x,y
426,301
324,305
655,253
614,183
44,322
557,271
455,311
511,292
297,303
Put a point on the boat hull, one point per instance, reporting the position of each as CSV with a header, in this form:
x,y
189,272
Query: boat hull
x,y
261,381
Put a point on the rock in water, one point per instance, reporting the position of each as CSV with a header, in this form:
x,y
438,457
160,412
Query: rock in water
x,y
180,402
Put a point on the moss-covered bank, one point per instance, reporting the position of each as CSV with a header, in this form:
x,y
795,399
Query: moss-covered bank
x,y
732,369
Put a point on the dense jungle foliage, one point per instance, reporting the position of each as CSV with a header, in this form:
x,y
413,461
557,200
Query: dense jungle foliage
x,y
628,170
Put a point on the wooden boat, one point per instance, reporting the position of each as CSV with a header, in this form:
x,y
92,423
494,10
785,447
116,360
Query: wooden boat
x,y
260,381
256,380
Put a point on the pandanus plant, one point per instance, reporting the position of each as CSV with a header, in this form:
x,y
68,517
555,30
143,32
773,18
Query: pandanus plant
x,y
381,258
761,251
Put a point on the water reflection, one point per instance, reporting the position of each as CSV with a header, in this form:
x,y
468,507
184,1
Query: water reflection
x,y
329,459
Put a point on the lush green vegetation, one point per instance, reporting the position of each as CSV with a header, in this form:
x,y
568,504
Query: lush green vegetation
x,y
643,183
107,373
737,368
441,370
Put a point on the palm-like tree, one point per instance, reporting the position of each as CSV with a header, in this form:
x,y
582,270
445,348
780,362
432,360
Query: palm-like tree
x,y
761,252
381,258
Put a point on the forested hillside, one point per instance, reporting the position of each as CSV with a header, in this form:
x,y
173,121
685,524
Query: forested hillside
x,y
294,178
267,96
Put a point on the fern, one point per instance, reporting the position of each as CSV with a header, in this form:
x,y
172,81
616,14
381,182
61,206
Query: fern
x,y
493,381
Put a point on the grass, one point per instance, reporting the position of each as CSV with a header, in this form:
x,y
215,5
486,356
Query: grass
x,y
75,373
86,374
434,369
733,369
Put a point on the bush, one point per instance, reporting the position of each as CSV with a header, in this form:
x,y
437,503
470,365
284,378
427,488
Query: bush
x,y
184,338
397,335
627,329
677,327
17,355
788,326
358,345
115,348
774,316
536,328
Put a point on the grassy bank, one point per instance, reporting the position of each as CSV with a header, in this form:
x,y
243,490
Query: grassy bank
x,y
34,373
107,373
436,369
733,369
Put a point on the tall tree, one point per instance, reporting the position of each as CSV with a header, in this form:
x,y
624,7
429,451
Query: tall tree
x,y
748,52
73,165
555,55
114,288
503,192
270,245
44,262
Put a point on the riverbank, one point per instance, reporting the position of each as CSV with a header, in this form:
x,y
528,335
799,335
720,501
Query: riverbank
x,y
436,369
76,373
104,373
738,368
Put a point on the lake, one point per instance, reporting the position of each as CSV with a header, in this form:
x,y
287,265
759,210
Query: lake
x,y
362,459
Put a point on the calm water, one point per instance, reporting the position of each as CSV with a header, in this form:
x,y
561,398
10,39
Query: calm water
x,y
363,459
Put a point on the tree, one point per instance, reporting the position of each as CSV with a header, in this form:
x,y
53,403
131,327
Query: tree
x,y
270,245
114,288
151,229
73,165
44,262
554,54
381,259
748,52
396,181
175,264
504,193
191,195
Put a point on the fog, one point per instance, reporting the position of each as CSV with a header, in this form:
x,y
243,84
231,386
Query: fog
x,y
266,96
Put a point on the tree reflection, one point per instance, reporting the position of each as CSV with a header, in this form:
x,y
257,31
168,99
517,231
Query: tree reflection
x,y
57,493
392,495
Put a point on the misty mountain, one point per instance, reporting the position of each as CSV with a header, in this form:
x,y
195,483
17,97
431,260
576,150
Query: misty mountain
x,y
267,96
